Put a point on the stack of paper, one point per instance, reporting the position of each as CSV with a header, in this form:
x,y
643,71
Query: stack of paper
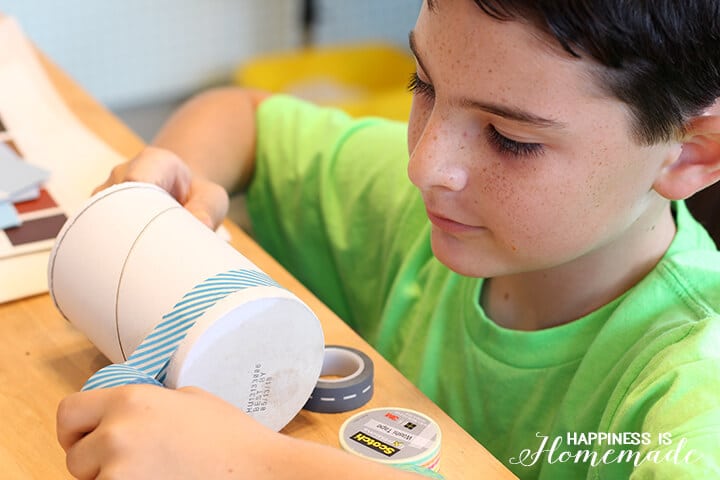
x,y
20,182
39,135
30,217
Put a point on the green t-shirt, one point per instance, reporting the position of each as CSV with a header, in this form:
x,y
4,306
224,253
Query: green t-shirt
x,y
637,381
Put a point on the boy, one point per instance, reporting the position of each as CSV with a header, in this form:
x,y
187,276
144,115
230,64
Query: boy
x,y
561,303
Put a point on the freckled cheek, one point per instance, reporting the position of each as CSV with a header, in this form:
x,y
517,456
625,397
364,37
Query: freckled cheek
x,y
493,185
517,208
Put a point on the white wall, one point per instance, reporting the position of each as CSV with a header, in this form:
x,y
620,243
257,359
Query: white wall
x,y
139,57
130,52
354,20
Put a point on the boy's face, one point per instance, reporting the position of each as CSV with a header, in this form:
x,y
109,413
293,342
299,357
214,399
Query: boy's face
x,y
522,162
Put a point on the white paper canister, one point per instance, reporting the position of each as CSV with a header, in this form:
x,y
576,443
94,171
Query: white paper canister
x,y
131,253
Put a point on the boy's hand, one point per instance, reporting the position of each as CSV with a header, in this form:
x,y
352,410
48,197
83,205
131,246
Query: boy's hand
x,y
206,200
142,432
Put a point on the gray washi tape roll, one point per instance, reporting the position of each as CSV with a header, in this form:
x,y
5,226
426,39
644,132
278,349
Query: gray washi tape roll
x,y
352,389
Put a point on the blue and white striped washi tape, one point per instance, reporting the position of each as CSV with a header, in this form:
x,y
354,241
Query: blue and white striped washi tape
x,y
148,363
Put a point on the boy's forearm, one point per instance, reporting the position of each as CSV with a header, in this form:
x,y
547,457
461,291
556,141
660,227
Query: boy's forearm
x,y
214,133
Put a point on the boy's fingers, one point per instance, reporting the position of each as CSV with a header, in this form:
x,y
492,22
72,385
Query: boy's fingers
x,y
78,414
81,460
157,166
208,202
162,168
116,176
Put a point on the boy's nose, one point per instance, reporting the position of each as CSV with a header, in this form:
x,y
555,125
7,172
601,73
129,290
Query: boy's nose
x,y
437,162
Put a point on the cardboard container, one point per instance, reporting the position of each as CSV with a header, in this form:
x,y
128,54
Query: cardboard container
x,y
130,255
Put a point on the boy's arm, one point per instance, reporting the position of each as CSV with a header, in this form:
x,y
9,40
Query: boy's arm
x,y
143,431
214,133
205,149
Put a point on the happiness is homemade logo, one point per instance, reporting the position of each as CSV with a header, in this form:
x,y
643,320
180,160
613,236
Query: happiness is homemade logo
x,y
596,448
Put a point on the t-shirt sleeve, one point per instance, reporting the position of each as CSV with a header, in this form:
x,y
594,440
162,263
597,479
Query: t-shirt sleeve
x,y
331,201
676,401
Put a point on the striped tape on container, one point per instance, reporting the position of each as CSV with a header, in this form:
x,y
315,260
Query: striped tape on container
x,y
149,362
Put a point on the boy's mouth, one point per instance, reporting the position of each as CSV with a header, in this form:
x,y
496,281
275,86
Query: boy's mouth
x,y
448,225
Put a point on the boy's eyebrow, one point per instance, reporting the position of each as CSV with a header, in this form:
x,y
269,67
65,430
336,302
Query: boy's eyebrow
x,y
510,113
514,114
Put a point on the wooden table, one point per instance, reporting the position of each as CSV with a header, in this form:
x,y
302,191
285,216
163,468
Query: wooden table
x,y
43,358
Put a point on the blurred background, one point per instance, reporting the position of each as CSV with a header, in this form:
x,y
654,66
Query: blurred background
x,y
141,58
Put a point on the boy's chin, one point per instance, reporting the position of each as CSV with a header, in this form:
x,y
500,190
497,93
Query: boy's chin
x,y
476,264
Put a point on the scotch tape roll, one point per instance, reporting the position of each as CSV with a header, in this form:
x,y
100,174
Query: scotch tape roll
x,y
353,386
171,303
394,436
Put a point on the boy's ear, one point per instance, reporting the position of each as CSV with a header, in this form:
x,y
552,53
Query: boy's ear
x,y
696,164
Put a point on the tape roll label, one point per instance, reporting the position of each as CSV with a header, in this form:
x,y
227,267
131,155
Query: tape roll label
x,y
373,443
410,434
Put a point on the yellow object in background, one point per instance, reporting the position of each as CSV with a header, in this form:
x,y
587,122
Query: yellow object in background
x,y
368,79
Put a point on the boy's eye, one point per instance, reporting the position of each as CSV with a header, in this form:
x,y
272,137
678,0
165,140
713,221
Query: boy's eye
x,y
507,146
501,143
417,86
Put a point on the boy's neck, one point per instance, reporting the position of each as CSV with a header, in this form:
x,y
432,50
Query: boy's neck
x,y
548,298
